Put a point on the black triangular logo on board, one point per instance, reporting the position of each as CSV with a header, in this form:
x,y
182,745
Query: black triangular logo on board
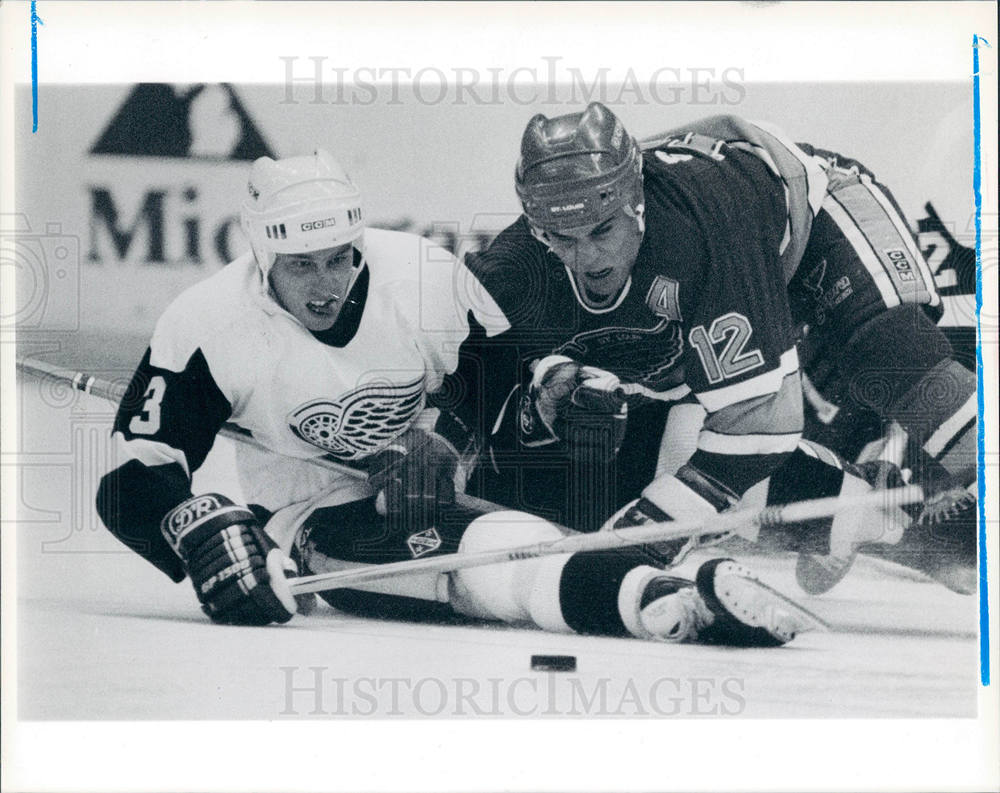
x,y
204,121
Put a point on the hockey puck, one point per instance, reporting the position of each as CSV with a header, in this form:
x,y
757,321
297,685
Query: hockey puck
x,y
553,663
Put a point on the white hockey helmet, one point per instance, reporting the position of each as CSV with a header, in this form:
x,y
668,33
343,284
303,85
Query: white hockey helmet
x,y
298,205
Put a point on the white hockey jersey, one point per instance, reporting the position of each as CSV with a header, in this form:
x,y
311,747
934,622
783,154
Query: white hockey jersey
x,y
226,351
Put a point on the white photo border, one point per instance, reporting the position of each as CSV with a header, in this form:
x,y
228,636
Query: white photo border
x,y
242,42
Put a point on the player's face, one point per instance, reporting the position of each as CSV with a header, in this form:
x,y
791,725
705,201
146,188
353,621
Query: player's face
x,y
312,286
600,257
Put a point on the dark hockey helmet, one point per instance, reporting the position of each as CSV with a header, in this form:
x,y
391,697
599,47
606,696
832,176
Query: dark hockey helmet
x,y
578,170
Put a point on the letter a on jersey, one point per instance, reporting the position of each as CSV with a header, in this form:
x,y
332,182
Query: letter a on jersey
x,y
663,298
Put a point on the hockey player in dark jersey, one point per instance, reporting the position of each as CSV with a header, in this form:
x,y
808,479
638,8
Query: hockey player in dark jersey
x,y
325,340
688,267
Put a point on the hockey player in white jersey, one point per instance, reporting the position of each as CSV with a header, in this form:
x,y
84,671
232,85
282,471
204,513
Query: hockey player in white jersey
x,y
327,340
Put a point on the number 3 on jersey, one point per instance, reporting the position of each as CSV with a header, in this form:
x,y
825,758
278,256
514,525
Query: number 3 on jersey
x,y
148,421
734,331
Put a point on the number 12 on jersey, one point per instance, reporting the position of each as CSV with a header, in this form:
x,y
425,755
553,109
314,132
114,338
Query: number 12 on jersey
x,y
733,331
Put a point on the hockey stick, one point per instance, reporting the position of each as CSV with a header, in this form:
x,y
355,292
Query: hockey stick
x,y
744,520
105,389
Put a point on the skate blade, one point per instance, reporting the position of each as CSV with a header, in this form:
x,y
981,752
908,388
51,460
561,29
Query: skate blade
x,y
798,619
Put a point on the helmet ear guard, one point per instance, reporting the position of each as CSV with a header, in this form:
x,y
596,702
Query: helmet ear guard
x,y
299,205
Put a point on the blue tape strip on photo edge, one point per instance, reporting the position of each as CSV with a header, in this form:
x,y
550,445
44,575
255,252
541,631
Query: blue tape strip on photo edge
x,y
984,603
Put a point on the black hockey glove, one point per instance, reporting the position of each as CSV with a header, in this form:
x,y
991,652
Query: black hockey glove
x,y
414,478
238,572
578,404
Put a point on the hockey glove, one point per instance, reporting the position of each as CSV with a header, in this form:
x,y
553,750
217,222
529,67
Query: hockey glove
x,y
578,404
238,572
414,477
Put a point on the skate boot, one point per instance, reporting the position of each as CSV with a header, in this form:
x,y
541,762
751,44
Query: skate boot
x,y
725,605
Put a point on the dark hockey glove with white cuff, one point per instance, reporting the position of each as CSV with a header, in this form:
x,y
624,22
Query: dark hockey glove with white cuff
x,y
238,572
578,404
414,477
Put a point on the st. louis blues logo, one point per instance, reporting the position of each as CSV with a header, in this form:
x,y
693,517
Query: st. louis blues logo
x,y
362,421
636,355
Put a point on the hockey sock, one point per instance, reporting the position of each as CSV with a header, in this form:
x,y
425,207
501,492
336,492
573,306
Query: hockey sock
x,y
939,413
900,366
812,471
597,587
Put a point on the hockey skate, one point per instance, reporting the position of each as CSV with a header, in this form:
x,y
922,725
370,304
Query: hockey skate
x,y
727,605
941,543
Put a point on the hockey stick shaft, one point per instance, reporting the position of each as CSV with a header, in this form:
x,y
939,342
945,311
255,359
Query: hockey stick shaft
x,y
81,381
727,522
105,389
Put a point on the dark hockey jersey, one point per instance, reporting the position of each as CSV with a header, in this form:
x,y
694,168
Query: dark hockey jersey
x,y
704,314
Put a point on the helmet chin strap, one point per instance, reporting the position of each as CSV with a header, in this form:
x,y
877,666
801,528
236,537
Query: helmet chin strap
x,y
639,213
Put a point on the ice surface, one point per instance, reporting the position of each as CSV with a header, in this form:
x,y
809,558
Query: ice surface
x,y
103,635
